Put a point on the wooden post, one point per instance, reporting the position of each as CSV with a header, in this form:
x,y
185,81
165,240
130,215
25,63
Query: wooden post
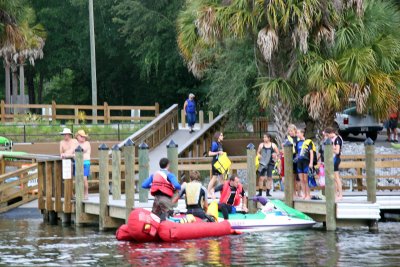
x,y
201,119
157,109
129,155
49,185
53,112
288,165
3,112
251,177
41,183
329,186
78,185
210,116
143,171
58,185
172,154
370,170
371,178
106,114
183,118
2,165
103,186
116,172
76,114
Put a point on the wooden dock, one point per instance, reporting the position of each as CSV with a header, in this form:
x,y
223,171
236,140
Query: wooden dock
x,y
119,171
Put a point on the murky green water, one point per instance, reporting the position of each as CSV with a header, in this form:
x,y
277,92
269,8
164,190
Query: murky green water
x,y
30,242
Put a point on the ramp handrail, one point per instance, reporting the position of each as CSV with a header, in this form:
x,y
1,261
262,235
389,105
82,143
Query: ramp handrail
x,y
157,130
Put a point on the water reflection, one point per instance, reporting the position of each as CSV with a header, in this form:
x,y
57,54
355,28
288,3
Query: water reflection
x,y
32,243
211,252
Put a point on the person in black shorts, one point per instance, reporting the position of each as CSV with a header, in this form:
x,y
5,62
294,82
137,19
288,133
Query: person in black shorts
x,y
265,151
337,148
215,150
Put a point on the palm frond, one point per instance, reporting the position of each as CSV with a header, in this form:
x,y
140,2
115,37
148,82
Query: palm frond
x,y
275,90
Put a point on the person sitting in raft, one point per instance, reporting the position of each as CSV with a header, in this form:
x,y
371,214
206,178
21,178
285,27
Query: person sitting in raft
x,y
231,193
195,197
162,185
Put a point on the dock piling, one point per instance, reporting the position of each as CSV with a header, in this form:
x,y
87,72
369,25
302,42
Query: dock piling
x,y
143,171
371,179
103,186
329,187
172,154
289,181
370,170
78,185
251,176
129,155
116,172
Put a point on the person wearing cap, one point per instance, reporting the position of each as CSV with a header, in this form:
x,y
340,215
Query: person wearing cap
x,y
190,111
68,144
82,137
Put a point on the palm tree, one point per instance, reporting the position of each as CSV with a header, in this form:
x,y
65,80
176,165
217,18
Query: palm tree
x,y
363,64
281,31
32,47
10,36
19,41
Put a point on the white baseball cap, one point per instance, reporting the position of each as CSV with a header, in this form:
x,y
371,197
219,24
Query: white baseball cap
x,y
66,131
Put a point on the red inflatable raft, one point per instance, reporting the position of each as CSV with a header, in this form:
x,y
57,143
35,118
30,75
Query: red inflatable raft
x,y
144,226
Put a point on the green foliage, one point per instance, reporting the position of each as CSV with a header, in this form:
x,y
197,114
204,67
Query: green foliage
x,y
227,89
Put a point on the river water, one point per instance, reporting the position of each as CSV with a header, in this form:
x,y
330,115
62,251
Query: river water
x,y
30,242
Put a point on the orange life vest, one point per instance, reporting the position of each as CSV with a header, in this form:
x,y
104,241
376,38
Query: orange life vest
x,y
226,193
161,183
393,115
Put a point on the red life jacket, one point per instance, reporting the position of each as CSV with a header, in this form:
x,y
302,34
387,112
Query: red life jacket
x,y
161,183
226,193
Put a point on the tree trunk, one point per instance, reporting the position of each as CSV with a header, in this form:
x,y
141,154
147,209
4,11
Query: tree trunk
x,y
14,87
30,74
22,83
8,85
40,88
282,115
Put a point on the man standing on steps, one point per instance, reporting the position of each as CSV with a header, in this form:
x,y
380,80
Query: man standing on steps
x,y
68,144
190,111
162,185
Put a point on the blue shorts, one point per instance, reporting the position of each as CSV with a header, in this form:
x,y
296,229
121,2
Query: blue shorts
x,y
302,166
86,168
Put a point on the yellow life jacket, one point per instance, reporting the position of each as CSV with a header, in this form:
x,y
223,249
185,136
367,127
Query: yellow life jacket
x,y
307,148
290,139
192,193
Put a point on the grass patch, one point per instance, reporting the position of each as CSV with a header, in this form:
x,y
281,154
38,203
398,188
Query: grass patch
x,y
33,133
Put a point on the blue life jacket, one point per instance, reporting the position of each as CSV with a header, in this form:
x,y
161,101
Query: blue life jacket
x,y
191,106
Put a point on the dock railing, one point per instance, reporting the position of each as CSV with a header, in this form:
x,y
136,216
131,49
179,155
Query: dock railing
x,y
19,185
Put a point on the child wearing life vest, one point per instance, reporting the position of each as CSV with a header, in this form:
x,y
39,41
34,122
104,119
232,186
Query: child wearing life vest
x,y
305,161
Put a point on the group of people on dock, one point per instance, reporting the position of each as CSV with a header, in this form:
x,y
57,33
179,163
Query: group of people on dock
x,y
67,151
163,184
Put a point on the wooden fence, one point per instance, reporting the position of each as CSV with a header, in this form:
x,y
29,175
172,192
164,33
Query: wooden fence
x,y
57,112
